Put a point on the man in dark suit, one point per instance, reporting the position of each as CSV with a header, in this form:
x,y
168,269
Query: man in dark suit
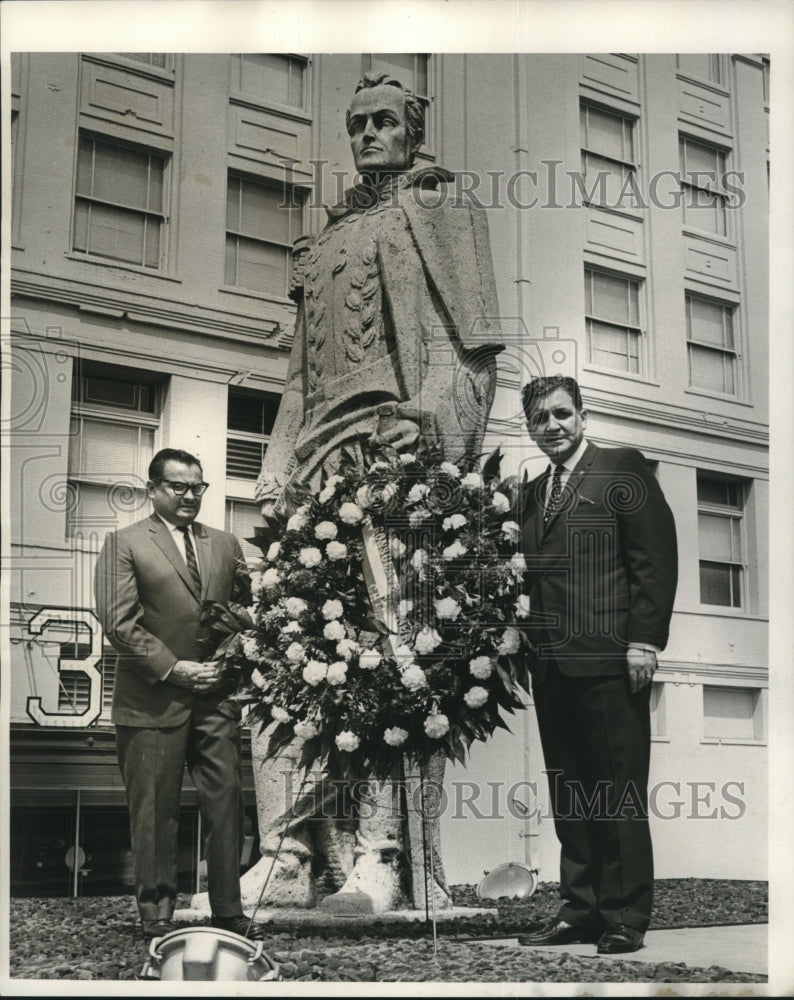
x,y
168,706
600,545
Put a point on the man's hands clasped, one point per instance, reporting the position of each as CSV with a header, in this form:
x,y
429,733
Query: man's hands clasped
x,y
195,676
641,665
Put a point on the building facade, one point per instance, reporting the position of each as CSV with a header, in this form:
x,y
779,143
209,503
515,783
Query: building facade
x,y
155,201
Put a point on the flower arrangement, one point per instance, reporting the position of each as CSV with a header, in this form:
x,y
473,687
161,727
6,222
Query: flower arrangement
x,y
310,655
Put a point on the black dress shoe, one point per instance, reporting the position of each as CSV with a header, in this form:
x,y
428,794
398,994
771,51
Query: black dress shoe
x,y
239,925
619,939
558,932
156,928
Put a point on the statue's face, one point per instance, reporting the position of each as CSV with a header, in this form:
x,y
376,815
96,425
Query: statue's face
x,y
378,133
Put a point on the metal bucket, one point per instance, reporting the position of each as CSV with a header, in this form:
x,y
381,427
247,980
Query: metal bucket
x,y
208,954
512,880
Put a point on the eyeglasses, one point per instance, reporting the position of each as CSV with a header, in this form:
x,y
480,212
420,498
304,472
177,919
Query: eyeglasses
x,y
180,489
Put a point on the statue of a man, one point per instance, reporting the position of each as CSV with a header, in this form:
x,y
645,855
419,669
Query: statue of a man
x,y
396,337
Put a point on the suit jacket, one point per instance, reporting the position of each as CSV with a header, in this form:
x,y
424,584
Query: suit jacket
x,y
603,573
150,611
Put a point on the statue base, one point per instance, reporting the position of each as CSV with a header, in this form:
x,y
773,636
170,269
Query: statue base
x,y
283,918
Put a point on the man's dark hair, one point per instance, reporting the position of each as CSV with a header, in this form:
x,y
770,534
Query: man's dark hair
x,y
157,464
414,109
537,390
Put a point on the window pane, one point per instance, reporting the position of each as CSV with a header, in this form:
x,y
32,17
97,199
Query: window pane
x,y
233,203
715,584
152,58
152,252
80,239
606,182
296,83
614,347
716,537
700,64
706,322
84,166
250,413
241,519
244,458
121,175
111,392
116,233
276,76
272,77
729,712
710,369
261,267
607,134
704,163
99,507
715,491
109,451
703,210
611,298
230,261
399,65
263,213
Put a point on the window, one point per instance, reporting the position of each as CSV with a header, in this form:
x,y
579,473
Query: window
x,y
721,503
732,713
711,345
262,223
114,420
765,73
242,516
279,79
251,416
119,203
150,58
608,157
707,66
704,198
612,307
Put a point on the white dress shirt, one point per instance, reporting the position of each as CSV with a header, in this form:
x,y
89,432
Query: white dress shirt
x,y
179,539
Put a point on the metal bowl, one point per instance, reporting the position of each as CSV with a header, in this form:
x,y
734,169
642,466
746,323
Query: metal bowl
x,y
208,954
513,880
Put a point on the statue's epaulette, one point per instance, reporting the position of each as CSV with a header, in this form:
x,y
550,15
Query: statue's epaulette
x,y
429,178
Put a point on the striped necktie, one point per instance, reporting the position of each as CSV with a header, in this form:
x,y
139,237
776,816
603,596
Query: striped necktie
x,y
554,496
190,557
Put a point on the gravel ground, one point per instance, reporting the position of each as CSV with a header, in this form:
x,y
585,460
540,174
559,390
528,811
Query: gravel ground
x,y
99,939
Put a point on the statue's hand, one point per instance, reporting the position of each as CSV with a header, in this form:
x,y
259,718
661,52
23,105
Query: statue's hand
x,y
269,508
401,434
404,426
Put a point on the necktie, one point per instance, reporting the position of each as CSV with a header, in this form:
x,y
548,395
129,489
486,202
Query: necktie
x,y
190,557
554,496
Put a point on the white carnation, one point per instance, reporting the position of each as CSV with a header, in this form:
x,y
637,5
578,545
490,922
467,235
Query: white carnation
x,y
404,655
447,607
416,517
413,678
397,547
345,647
500,503
310,557
251,649
256,585
407,458
476,697
334,631
364,496
395,736
450,469
427,640
347,741
419,560
481,667
472,481
279,714
522,606
332,609
273,551
336,551
298,519
327,492
453,522
257,679
351,513
271,578
295,606
337,673
418,492
405,607
454,551
314,672
518,564
292,628
326,531
305,730
512,530
436,725
511,642
295,653
369,659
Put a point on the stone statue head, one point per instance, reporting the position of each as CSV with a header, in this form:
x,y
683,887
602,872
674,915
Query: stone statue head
x,y
386,125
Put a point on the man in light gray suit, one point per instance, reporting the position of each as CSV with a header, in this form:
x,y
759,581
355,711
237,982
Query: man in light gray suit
x,y
169,707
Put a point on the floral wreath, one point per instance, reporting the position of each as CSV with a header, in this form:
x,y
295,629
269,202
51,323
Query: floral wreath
x,y
310,654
